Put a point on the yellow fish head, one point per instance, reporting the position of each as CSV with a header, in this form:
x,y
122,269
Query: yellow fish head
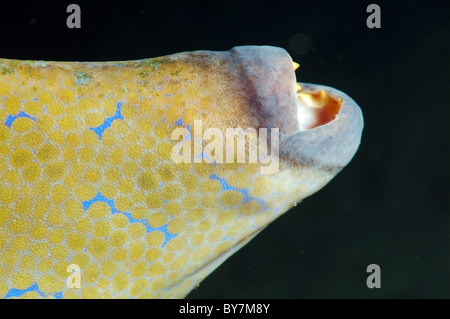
x,y
138,178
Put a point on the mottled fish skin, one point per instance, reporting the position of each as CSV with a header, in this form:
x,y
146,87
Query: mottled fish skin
x,y
87,177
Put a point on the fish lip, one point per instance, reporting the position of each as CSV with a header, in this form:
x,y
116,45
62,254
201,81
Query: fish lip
x,y
329,145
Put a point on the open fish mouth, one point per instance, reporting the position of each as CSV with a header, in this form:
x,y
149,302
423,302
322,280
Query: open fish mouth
x,y
316,122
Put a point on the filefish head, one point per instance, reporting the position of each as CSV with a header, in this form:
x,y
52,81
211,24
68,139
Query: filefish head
x,y
146,175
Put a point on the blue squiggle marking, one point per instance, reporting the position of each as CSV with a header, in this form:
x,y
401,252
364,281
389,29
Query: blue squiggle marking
x,y
243,191
13,292
11,118
189,136
179,122
108,121
100,198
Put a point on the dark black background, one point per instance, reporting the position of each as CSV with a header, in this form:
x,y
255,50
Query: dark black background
x,y
390,206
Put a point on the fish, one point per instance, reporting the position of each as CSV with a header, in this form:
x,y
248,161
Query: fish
x,y
136,179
